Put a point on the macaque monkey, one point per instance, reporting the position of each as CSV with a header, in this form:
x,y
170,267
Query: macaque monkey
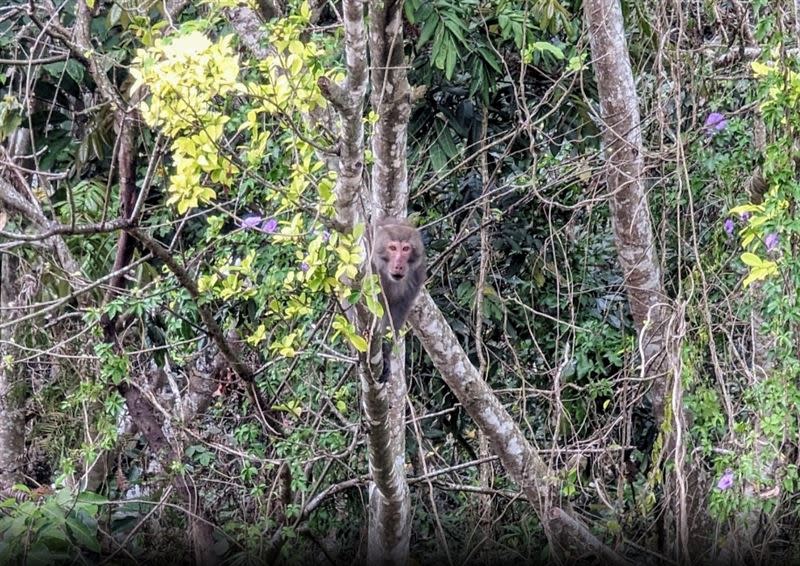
x,y
399,258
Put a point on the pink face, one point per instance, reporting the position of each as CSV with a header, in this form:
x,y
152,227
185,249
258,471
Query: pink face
x,y
399,253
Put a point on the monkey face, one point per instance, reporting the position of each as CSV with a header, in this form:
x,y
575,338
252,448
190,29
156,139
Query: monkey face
x,y
398,257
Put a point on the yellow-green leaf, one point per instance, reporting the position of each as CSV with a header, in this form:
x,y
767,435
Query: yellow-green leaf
x,y
742,208
760,69
751,259
766,269
358,342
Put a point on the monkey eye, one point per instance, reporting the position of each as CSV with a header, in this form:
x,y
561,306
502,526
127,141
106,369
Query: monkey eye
x,y
392,248
406,248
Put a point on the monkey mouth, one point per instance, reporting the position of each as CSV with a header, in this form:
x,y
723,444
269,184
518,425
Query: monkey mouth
x,y
397,276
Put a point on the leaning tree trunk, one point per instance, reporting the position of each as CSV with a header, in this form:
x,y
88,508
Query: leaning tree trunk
x,y
568,536
389,531
630,213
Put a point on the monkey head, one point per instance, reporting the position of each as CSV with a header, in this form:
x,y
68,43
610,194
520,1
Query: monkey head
x,y
398,256
398,249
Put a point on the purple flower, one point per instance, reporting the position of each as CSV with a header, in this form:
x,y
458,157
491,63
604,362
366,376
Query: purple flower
x,y
729,226
258,222
304,267
269,226
715,122
744,216
771,241
326,235
250,222
726,481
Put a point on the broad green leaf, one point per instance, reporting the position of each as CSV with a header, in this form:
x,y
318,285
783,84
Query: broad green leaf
x,y
760,69
451,59
548,48
746,208
83,534
427,31
358,342
456,28
766,269
751,259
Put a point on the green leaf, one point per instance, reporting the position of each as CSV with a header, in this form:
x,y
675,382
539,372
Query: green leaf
x,y
441,53
450,60
438,158
503,20
359,342
766,269
52,511
741,209
114,14
491,59
92,498
83,534
447,144
456,28
427,31
751,259
548,48
10,116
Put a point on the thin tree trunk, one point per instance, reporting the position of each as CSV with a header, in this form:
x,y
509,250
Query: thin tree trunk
x,y
391,100
12,440
630,213
390,503
12,421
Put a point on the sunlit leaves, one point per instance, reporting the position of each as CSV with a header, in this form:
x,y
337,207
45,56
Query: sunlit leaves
x,y
291,70
184,74
343,327
759,268
292,406
768,221
279,261
285,346
258,336
541,47
760,69
230,278
577,63
371,290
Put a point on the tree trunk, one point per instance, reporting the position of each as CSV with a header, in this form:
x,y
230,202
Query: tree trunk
x,y
390,504
12,423
12,418
630,213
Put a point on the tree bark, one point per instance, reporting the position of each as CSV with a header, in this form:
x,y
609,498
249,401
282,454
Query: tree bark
x,y
12,423
390,504
630,213
391,100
